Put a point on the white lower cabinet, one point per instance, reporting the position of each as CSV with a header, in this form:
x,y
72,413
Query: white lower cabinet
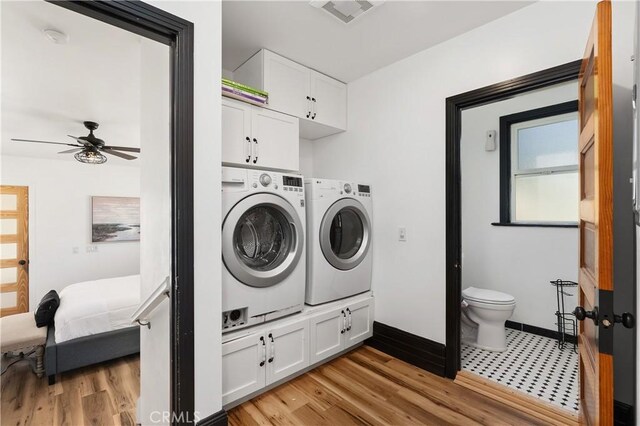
x,y
252,362
274,352
332,332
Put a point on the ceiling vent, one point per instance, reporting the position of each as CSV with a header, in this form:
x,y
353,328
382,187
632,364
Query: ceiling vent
x,y
346,11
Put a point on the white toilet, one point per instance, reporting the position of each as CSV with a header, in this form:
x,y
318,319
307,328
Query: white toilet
x,y
484,313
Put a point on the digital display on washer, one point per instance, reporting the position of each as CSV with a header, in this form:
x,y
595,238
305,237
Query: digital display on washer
x,y
364,188
292,181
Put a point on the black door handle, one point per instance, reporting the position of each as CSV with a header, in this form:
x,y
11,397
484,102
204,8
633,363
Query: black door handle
x,y
22,262
626,319
581,314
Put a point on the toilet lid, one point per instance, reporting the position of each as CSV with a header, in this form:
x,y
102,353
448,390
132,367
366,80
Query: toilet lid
x,y
487,296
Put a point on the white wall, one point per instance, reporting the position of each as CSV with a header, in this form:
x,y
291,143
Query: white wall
x,y
396,141
207,206
306,157
516,260
60,220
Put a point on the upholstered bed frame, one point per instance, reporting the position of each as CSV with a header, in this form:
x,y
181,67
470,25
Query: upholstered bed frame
x,y
83,351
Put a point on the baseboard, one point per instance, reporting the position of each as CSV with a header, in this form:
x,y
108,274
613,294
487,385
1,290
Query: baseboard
x,y
415,350
623,414
216,419
553,334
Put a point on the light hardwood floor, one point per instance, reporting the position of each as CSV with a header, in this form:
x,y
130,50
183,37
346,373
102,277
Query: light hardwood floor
x,y
104,394
369,387
363,387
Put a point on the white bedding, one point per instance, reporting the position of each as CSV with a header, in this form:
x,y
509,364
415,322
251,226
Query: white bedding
x,y
94,307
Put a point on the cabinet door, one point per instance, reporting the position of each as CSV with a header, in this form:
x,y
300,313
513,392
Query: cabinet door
x,y
288,85
325,335
359,322
287,350
330,106
236,132
242,373
275,140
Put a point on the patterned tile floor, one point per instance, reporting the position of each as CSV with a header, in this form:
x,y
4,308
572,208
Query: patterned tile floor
x,y
532,364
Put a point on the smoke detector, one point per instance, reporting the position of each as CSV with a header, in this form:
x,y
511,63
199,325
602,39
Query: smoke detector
x,y
346,11
55,36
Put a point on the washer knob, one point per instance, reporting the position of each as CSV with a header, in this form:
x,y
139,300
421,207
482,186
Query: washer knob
x,y
347,188
265,179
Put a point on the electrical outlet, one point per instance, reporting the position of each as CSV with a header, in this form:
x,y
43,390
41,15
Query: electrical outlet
x,y
402,234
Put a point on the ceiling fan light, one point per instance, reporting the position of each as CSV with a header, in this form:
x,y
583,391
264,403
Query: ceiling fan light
x,y
90,157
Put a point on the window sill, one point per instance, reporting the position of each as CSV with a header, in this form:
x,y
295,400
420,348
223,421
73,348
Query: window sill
x,y
537,225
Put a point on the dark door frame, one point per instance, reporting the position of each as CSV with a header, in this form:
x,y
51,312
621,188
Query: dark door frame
x,y
454,107
156,24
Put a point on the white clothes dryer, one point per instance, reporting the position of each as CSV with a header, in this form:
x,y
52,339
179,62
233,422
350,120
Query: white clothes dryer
x,y
263,246
339,255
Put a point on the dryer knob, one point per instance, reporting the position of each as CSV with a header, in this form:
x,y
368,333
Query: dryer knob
x,y
347,188
265,179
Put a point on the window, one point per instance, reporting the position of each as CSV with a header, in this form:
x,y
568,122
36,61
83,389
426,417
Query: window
x,y
539,166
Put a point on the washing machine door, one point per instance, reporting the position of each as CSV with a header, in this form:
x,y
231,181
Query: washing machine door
x,y
345,234
262,240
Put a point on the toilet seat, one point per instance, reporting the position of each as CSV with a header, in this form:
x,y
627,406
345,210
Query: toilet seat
x,y
481,296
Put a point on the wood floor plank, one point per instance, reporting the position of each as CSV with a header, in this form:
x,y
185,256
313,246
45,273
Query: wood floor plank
x,y
97,409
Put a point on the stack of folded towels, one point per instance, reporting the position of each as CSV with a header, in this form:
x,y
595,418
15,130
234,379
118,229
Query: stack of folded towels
x,y
244,93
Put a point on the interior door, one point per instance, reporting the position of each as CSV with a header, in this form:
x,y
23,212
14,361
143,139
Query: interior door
x,y
14,250
596,224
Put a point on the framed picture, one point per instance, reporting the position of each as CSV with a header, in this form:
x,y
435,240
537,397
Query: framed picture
x,y
115,219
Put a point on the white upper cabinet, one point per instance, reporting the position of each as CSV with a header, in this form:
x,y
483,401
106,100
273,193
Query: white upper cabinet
x,y
329,101
257,137
319,101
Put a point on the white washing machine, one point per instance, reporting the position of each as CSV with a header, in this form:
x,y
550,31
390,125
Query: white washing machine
x,y
339,225
263,246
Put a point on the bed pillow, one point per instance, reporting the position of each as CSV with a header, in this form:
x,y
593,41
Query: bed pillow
x,y
47,309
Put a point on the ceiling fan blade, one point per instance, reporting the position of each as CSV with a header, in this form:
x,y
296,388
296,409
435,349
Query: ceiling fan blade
x,y
52,143
122,148
81,141
72,150
119,154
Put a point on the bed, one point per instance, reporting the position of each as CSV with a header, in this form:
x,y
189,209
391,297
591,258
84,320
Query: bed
x,y
93,324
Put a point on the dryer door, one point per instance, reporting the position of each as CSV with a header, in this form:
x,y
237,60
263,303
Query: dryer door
x,y
262,240
345,234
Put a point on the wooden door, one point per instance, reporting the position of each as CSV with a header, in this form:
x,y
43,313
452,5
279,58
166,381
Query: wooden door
x,y
14,249
236,132
276,140
596,224
329,97
287,350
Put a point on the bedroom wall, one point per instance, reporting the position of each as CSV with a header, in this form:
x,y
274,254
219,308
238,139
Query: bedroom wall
x,y
515,260
60,221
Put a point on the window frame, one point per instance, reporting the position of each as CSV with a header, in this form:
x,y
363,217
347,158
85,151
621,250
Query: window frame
x,y
507,123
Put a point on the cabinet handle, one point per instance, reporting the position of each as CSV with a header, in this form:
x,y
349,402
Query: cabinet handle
x,y
247,149
349,321
273,348
313,106
255,155
344,322
309,106
264,352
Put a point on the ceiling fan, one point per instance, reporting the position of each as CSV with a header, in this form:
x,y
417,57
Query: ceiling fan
x,y
89,149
